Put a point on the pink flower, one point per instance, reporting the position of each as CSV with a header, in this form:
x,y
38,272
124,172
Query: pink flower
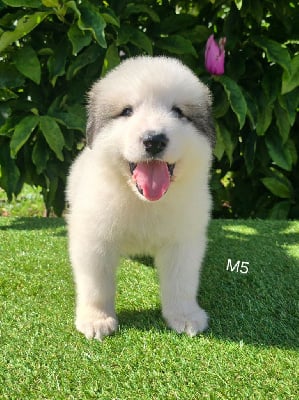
x,y
214,56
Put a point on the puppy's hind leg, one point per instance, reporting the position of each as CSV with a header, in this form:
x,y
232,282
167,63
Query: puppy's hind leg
x,y
179,268
94,268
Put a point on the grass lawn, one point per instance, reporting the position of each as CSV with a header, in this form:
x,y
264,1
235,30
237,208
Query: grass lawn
x,y
29,203
249,352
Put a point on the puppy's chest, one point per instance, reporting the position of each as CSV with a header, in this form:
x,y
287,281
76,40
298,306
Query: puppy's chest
x,y
139,245
146,232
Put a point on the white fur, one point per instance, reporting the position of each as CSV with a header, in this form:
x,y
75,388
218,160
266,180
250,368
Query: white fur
x,y
109,218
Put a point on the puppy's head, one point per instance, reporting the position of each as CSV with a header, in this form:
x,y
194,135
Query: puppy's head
x,y
151,118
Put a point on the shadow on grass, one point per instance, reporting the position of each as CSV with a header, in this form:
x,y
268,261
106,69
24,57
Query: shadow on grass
x,y
32,224
143,320
260,306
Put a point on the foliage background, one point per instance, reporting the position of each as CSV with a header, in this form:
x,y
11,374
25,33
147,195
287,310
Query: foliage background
x,y
52,50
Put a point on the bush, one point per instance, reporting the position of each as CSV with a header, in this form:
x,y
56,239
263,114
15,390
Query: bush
x,y
52,50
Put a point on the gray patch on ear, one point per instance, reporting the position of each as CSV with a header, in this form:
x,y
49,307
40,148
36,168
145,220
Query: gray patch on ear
x,y
90,128
99,114
201,116
204,122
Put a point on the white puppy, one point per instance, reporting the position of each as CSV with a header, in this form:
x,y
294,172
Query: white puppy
x,y
141,187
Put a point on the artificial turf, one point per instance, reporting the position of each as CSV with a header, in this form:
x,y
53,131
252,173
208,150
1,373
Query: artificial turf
x,y
249,352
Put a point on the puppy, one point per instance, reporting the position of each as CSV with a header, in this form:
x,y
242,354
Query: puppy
x,y
141,187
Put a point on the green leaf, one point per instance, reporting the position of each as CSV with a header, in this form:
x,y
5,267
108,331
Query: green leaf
x,y
10,77
40,155
264,115
73,118
22,133
27,62
56,62
291,148
228,141
73,6
23,3
271,83
111,18
86,57
280,210
24,26
280,153
238,4
181,22
290,79
219,147
51,3
257,12
197,34
78,38
220,103
9,123
50,192
92,20
141,9
251,108
275,52
133,35
279,186
176,44
5,112
289,102
142,41
111,60
6,94
10,173
282,122
235,97
53,135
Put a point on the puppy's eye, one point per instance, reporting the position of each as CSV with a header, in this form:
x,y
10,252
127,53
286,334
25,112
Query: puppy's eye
x,y
126,112
177,112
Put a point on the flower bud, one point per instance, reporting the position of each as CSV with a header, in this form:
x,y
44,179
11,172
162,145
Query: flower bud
x,y
214,56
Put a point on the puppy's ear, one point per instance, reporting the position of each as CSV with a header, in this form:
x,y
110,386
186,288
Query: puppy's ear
x,y
201,117
204,121
99,113
90,126
92,123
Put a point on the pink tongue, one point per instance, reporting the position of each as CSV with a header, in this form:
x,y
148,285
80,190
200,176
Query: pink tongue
x,y
153,178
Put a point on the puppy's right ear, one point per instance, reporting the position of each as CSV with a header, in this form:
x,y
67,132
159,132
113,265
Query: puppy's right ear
x,y
98,113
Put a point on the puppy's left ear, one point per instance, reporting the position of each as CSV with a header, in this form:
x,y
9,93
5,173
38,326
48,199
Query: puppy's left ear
x,y
201,117
205,122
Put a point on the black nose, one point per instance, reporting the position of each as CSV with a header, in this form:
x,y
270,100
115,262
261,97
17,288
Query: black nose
x,y
155,143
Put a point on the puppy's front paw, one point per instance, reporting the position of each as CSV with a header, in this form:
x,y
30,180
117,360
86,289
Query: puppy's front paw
x,y
96,325
191,323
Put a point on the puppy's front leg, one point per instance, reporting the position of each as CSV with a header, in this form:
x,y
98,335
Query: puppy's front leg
x,y
94,269
179,268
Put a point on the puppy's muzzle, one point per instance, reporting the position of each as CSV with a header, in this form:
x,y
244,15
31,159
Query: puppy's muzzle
x,y
154,143
153,175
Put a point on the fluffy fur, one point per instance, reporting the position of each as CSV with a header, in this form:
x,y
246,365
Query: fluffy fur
x,y
109,216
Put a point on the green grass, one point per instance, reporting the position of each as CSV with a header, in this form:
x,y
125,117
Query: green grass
x,y
29,203
249,352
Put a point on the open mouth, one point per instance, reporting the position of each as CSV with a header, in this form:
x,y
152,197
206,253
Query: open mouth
x,y
152,178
